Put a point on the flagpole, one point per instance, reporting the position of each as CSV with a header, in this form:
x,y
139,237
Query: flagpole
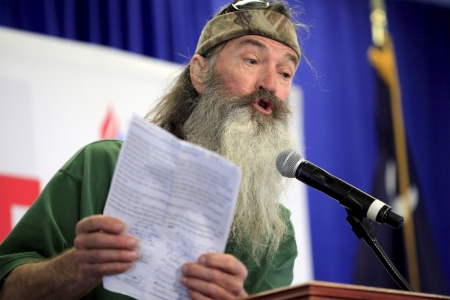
x,y
388,72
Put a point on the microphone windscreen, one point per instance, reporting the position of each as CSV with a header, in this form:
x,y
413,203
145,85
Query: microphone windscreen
x,y
288,162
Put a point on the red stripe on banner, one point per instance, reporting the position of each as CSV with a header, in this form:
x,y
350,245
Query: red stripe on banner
x,y
14,190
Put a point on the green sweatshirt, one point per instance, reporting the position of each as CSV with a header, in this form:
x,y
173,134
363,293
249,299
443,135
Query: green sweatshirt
x,y
79,189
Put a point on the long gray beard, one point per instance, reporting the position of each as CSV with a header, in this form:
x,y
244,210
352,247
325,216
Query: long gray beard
x,y
231,127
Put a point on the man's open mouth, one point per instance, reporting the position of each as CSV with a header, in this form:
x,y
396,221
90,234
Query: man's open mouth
x,y
263,106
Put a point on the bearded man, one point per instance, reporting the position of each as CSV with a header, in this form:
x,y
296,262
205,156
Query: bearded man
x,y
231,99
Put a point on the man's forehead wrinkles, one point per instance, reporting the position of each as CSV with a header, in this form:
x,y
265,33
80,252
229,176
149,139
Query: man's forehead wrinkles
x,y
250,41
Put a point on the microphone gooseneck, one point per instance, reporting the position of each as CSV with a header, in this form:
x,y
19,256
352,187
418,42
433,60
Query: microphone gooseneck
x,y
291,164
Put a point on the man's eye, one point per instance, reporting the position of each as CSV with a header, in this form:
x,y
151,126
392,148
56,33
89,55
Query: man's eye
x,y
251,61
286,75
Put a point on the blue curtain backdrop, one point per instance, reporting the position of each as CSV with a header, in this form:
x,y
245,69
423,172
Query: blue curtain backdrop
x,y
340,101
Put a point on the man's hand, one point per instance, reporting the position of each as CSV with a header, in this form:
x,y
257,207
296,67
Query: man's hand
x,y
215,276
100,249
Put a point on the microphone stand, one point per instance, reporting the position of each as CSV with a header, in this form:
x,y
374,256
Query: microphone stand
x,y
363,229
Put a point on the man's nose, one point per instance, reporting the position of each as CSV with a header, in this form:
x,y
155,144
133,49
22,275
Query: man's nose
x,y
268,81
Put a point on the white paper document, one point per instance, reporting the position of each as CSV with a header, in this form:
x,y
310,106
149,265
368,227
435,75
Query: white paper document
x,y
177,199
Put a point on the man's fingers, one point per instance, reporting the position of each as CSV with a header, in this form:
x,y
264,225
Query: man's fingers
x,y
105,256
206,274
211,281
200,289
105,241
102,232
100,249
225,262
216,276
100,223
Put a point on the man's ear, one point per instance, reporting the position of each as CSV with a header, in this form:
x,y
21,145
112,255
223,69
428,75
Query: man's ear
x,y
197,72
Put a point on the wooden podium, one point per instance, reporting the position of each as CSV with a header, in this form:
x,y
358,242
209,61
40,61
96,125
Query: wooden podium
x,y
318,290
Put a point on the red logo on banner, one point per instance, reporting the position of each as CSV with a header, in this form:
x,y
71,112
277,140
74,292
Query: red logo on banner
x,y
110,126
14,191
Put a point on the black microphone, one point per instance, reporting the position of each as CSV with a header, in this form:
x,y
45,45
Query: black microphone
x,y
291,164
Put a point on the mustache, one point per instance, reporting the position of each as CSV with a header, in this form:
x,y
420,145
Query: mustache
x,y
280,110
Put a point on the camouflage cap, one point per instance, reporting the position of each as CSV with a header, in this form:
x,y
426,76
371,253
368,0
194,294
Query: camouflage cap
x,y
232,25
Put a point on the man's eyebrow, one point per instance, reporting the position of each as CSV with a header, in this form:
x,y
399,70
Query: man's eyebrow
x,y
253,42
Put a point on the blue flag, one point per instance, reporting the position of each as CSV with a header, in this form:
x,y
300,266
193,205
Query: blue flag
x,y
411,248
